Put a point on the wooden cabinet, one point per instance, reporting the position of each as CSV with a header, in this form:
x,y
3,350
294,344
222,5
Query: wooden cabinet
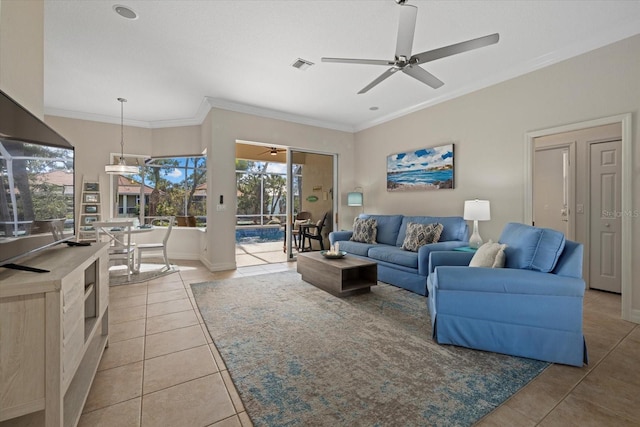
x,y
53,331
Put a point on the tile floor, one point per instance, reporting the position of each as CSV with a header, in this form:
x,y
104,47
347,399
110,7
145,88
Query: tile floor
x,y
161,368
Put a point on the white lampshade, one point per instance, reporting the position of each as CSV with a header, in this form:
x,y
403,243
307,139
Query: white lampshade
x,y
477,210
354,199
121,169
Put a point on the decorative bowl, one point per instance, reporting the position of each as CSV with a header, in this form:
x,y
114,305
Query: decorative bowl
x,y
329,255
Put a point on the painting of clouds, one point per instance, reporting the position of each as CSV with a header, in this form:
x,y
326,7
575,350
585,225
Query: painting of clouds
x,y
424,169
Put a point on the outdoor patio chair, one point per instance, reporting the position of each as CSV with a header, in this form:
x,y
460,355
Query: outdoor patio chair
x,y
313,232
302,218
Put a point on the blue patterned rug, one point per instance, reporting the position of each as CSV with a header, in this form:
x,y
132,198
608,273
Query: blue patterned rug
x,y
302,357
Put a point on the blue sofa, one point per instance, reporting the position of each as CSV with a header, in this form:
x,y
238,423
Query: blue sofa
x,y
406,269
531,308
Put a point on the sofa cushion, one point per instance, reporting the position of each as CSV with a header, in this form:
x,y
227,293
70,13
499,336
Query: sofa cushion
x,y
489,255
364,230
388,228
355,248
531,248
453,227
420,235
394,255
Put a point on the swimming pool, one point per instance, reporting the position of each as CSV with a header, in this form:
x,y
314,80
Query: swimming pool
x,y
259,234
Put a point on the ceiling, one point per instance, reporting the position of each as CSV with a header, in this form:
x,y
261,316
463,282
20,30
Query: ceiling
x,y
181,57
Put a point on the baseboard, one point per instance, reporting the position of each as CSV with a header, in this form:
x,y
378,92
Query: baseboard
x,y
634,316
217,266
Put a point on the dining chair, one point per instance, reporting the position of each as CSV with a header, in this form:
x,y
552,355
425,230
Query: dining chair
x,y
121,248
313,232
159,246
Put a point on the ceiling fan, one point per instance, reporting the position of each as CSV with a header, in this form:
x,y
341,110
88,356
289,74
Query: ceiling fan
x,y
409,64
274,151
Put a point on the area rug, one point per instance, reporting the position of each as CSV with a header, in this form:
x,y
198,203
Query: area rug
x,y
302,357
147,272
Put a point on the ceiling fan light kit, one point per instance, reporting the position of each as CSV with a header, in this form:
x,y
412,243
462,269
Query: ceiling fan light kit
x,y
273,151
406,62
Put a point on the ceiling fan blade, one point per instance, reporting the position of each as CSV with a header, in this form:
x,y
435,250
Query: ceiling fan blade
x,y
423,75
432,55
359,61
380,78
406,30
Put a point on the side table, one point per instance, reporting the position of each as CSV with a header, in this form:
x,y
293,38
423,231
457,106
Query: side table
x,y
465,249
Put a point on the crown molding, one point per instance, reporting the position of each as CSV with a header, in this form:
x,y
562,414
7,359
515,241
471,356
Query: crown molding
x,y
205,106
94,117
225,104
583,46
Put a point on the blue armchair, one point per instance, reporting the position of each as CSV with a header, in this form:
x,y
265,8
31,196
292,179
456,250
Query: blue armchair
x,y
531,308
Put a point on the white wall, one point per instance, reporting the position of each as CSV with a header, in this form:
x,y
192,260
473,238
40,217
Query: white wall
x,y
22,53
488,128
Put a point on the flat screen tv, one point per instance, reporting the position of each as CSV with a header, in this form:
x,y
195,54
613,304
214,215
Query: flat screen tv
x,y
36,184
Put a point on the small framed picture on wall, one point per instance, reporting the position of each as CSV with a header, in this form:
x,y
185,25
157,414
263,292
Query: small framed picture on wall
x,y
91,186
90,209
90,219
91,198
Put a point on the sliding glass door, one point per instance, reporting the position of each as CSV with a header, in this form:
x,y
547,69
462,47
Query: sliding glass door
x,y
311,184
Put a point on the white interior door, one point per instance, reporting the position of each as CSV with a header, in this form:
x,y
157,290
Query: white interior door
x,y
551,189
606,216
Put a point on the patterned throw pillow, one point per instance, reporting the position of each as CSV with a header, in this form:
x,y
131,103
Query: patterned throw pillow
x,y
420,235
364,230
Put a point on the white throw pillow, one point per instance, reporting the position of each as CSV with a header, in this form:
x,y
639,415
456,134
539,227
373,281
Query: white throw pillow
x,y
489,255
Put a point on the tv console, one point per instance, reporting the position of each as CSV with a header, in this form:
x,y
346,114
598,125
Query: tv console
x,y
54,328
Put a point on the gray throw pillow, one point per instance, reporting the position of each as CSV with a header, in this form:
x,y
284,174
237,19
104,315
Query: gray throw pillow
x,y
364,230
420,235
489,255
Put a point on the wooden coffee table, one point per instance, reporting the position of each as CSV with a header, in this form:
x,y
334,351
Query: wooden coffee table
x,y
339,277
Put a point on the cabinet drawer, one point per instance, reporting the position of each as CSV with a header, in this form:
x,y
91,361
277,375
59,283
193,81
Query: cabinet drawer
x,y
72,349
72,289
72,316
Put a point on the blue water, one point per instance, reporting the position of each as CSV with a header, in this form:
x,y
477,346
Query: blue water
x,y
259,235
420,177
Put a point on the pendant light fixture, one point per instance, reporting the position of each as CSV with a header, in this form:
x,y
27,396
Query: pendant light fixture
x,y
121,167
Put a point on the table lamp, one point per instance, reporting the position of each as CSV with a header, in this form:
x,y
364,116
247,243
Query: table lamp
x,y
355,198
476,210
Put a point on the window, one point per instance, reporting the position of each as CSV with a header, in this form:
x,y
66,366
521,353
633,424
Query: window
x,y
167,186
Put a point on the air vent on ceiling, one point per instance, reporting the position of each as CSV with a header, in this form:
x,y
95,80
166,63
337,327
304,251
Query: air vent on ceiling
x,y
302,64
125,12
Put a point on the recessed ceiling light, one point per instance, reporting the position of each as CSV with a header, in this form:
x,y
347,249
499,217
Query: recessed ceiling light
x,y
125,12
373,108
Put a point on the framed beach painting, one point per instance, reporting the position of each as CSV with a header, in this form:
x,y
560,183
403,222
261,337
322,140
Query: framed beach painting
x,y
423,169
